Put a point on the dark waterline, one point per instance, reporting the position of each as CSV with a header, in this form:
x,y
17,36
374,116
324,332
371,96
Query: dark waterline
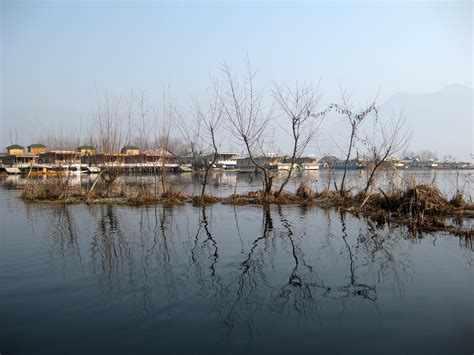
x,y
223,279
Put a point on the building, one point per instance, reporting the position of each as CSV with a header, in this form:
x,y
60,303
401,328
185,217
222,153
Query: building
x,y
104,159
15,149
246,165
60,157
86,150
130,150
36,148
353,164
20,160
308,163
226,161
328,162
153,157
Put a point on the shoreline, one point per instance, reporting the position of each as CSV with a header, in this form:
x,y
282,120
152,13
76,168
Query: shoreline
x,y
421,208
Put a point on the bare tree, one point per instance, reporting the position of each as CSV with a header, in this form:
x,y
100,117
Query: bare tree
x,y
57,138
109,131
164,139
298,106
211,117
108,124
146,121
191,132
426,155
355,120
246,116
384,141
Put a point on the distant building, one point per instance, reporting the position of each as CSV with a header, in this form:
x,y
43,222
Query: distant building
x,y
15,149
155,157
246,165
59,157
36,148
130,150
328,162
86,150
308,163
21,159
353,164
225,160
104,158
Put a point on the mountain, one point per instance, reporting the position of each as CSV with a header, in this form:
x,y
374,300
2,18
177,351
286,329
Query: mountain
x,y
442,121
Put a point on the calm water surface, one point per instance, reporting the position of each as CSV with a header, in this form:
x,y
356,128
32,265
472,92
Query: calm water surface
x,y
221,279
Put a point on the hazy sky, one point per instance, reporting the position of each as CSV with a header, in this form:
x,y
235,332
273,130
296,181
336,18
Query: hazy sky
x,y
56,54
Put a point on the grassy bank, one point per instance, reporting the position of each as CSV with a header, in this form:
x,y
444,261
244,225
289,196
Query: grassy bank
x,y
420,207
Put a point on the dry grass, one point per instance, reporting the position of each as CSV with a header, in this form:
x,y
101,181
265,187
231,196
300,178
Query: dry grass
x,y
420,207
35,190
259,198
143,196
305,192
205,199
172,197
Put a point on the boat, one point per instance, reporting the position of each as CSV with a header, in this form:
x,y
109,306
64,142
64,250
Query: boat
x,y
44,170
12,170
185,168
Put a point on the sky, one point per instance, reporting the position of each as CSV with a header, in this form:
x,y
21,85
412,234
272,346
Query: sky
x,y
56,56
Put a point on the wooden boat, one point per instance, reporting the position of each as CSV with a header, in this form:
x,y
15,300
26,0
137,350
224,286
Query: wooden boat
x,y
45,170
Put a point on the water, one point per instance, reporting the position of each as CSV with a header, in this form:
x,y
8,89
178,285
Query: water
x,y
222,279
223,184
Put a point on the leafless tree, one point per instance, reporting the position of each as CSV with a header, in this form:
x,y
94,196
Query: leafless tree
x,y
384,141
298,106
13,136
247,116
211,117
164,137
145,124
190,130
57,138
426,155
108,124
355,120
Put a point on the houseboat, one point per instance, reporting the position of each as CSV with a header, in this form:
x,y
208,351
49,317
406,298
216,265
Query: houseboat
x,y
354,164
44,170
78,169
308,163
225,161
246,165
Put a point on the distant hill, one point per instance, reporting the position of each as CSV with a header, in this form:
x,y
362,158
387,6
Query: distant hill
x,y
442,121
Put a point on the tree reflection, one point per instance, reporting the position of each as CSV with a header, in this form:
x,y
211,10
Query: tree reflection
x,y
249,280
64,236
286,263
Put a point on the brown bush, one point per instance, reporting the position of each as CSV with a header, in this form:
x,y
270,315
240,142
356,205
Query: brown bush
x,y
305,192
205,199
458,201
172,197
43,190
143,196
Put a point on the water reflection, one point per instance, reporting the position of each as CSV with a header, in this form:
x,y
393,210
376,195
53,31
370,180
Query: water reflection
x,y
243,267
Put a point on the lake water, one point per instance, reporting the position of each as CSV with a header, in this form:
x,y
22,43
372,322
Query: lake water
x,y
101,279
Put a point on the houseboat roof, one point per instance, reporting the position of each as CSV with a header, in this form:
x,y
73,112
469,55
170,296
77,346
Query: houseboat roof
x,y
37,145
15,146
86,147
131,147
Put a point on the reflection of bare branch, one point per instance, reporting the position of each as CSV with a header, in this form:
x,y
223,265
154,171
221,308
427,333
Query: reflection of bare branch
x,y
249,280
